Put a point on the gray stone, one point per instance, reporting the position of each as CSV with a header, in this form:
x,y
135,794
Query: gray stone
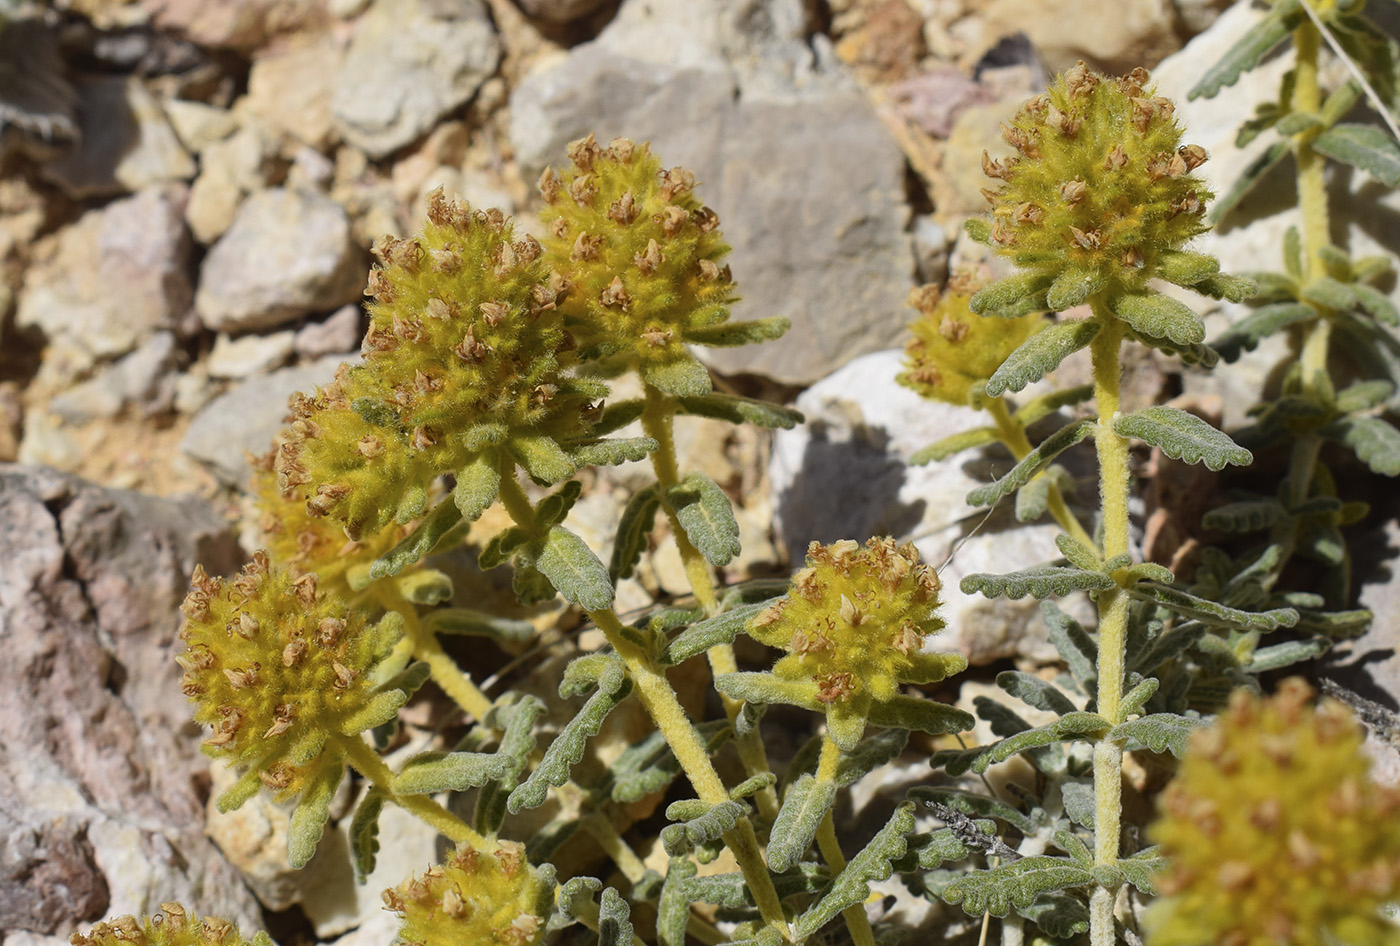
x,y
249,354
234,24
199,124
845,475
288,252
143,380
410,63
808,184
338,334
1137,33
99,780
125,142
116,275
230,169
245,418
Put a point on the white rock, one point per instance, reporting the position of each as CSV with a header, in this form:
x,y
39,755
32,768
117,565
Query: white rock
x,y
1134,33
288,252
142,379
410,63
844,475
230,169
249,354
116,275
339,333
290,92
199,124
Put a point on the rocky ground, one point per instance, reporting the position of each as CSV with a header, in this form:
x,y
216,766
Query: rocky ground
x,y
187,193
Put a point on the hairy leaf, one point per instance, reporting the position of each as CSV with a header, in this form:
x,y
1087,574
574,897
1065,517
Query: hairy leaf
x,y
1007,292
1375,442
1363,395
707,517
673,906
921,715
699,828
568,747
1364,146
479,624
1033,499
1035,461
1040,354
1330,293
422,540
712,632
1160,732
542,458
1251,175
614,926
1286,654
1033,691
1060,915
613,451
741,410
1074,645
731,334
574,900
1183,436
1377,304
1230,288
852,885
873,752
364,833
805,805
1072,287
477,485
682,376
1043,581
1186,268
1211,612
633,527
979,759
381,708
1249,50
731,891
1159,316
431,772
1136,698
1142,868
426,586
1251,515
1017,884
574,571
755,687
309,819
953,443
974,806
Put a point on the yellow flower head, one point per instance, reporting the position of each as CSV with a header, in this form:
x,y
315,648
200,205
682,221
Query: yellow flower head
x,y
171,927
641,257
275,668
854,626
1101,187
1275,833
475,899
465,353
954,351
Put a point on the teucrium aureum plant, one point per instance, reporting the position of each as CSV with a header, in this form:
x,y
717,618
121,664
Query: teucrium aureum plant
x,y
488,364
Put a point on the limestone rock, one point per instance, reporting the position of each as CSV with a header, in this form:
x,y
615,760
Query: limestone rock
x,y
250,354
410,63
230,169
116,275
199,124
234,24
817,230
1136,33
143,379
246,418
125,142
290,92
338,334
845,475
287,253
98,783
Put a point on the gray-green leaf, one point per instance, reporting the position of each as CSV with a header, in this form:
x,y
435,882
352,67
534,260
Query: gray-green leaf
x,y
1375,442
542,458
364,833
574,571
1040,354
1035,461
1043,581
418,543
1247,333
852,885
633,527
712,632
677,839
1017,884
730,334
1160,732
1364,146
1183,436
953,443
477,485
1159,316
705,514
980,758
741,410
309,819
1247,52
613,451
1033,691
1211,612
804,807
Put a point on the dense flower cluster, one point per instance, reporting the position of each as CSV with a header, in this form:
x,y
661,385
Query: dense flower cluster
x,y
854,626
475,898
275,669
171,927
1274,832
1101,188
641,257
465,353
954,351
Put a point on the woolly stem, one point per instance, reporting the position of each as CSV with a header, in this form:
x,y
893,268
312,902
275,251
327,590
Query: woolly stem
x,y
443,670
367,762
856,921
1013,436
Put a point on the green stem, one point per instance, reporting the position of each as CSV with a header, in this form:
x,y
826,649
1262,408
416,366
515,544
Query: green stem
x,y
615,846
444,671
856,921
367,762
1013,436
658,422
1113,611
666,712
